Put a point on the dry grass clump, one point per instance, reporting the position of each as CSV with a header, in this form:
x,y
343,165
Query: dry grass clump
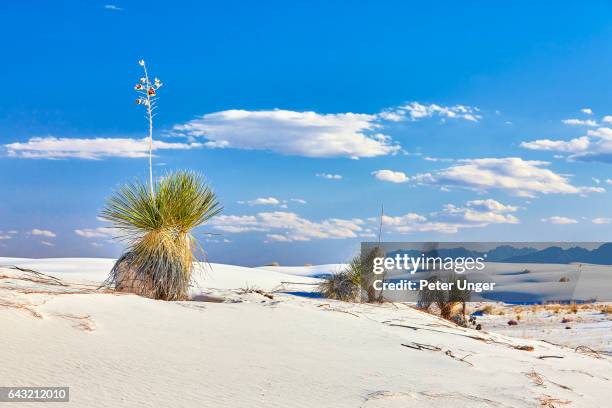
x,y
487,309
574,308
606,309
343,285
355,278
447,301
157,226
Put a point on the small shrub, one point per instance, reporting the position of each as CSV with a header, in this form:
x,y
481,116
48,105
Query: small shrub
x,y
487,310
519,317
564,279
606,309
445,300
342,285
574,308
157,227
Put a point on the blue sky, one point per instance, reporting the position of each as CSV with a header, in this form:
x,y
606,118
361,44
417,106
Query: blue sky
x,y
467,121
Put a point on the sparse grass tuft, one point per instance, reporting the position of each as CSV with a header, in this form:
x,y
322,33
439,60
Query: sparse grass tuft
x,y
574,308
606,309
487,310
343,285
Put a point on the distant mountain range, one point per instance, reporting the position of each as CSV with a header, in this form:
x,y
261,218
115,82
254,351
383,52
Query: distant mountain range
x,y
510,254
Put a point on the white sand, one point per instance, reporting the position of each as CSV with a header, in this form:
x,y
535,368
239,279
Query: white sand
x,y
127,351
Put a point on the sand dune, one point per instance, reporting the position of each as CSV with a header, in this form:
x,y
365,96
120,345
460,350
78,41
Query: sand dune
x,y
252,351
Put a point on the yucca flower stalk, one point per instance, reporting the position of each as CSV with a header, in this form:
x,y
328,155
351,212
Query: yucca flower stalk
x,y
147,97
160,255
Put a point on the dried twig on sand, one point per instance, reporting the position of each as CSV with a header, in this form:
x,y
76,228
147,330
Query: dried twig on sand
x,y
547,401
421,346
535,377
331,309
21,306
588,351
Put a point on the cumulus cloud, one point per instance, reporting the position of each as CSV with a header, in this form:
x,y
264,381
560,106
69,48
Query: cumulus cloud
x,y
273,201
452,218
571,146
43,233
579,122
414,111
47,243
596,145
308,134
5,237
89,149
483,212
112,7
329,176
390,176
602,221
262,201
586,111
288,226
555,219
100,232
520,177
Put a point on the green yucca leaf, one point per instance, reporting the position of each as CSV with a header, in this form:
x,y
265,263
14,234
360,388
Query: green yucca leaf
x,y
158,228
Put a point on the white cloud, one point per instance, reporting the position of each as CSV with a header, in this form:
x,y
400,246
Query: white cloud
x,y
97,244
586,111
602,220
579,122
570,146
44,233
491,205
47,243
262,201
308,134
476,214
520,177
390,176
89,149
100,232
329,176
112,7
288,226
607,119
609,181
414,111
595,146
5,237
483,212
272,201
559,220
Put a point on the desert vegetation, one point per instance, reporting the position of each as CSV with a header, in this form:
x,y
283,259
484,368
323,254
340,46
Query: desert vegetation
x,y
355,279
446,301
156,221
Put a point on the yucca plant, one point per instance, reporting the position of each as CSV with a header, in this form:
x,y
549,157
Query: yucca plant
x,y
156,221
157,228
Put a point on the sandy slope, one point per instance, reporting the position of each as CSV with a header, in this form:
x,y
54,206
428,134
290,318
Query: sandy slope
x,y
252,351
